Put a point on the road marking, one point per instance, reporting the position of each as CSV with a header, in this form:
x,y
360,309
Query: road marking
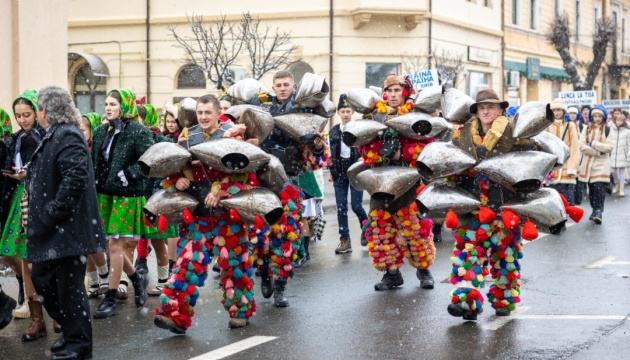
x,y
544,234
620,263
232,349
598,264
496,322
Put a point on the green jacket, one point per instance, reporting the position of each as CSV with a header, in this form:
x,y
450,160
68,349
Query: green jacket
x,y
124,154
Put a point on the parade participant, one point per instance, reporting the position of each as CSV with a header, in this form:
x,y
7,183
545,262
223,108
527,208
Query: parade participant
x,y
580,187
209,224
620,155
149,117
564,180
14,234
7,304
172,127
62,228
277,262
226,103
596,145
342,157
5,125
395,234
117,146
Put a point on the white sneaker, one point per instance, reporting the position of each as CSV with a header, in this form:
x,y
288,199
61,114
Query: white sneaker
x,y
23,312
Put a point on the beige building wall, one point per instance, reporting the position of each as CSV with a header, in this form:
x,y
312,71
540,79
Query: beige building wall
x,y
364,31
34,35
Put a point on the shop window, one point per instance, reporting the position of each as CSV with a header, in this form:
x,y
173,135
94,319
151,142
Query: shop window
x,y
191,77
298,69
477,81
90,91
375,73
556,87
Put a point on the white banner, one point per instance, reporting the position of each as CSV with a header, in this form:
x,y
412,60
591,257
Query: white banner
x,y
588,97
424,79
611,104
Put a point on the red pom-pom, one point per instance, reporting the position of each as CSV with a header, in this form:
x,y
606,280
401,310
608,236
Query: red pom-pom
x,y
162,224
283,220
486,215
564,201
413,207
575,213
420,188
529,231
259,223
451,221
146,221
234,216
510,219
188,217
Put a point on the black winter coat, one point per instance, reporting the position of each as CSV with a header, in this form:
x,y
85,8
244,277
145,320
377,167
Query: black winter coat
x,y
334,138
63,216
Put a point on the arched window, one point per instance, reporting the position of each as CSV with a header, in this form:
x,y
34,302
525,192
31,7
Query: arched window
x,y
298,69
191,77
90,91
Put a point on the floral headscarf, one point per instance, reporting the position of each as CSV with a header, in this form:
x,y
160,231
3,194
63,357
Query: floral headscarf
x,y
94,119
151,117
128,108
5,123
30,96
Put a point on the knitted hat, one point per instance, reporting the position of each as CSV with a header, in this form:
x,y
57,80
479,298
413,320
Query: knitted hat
x,y
343,102
487,96
573,110
598,111
558,104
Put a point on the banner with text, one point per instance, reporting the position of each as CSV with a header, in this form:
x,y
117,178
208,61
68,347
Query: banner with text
x,y
588,97
424,79
611,104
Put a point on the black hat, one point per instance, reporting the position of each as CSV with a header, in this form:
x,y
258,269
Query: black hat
x,y
343,102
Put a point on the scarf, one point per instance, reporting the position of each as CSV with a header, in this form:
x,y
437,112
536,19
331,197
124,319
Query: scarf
x,y
128,111
151,119
35,134
489,140
5,123
94,119
116,127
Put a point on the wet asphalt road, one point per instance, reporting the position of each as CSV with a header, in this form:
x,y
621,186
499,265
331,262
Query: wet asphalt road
x,y
574,305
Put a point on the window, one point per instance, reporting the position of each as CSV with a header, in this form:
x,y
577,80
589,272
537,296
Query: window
x,y
533,14
597,13
375,73
89,91
477,81
577,19
623,35
557,7
191,77
298,69
487,3
515,11
556,87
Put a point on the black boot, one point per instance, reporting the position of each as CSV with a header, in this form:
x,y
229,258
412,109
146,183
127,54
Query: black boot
x,y
390,280
141,266
457,311
278,297
437,233
307,241
107,308
58,345
597,216
7,304
20,298
140,283
425,277
171,263
266,284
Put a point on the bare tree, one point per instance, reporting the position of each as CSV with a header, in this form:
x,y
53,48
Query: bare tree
x,y
414,62
448,65
267,51
559,36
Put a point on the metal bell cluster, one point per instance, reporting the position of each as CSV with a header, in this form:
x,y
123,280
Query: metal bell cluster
x,y
255,202
164,159
171,205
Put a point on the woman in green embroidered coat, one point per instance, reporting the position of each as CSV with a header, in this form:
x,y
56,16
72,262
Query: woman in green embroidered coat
x,y
117,146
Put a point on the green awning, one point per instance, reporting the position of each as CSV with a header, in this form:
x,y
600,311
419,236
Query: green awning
x,y
546,72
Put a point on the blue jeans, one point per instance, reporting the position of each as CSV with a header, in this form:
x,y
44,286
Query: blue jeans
x,y
341,186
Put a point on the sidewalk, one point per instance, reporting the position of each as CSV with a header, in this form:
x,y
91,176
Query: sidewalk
x,y
329,204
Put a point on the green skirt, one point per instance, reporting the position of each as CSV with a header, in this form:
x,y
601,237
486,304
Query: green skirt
x,y
170,232
122,215
13,242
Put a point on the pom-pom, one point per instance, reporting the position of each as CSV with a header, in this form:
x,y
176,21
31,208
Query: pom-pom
x,y
258,222
575,213
486,215
420,189
529,231
162,224
564,201
510,219
234,216
451,221
188,217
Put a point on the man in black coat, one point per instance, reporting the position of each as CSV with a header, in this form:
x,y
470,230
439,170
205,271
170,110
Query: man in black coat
x,y
64,225
342,157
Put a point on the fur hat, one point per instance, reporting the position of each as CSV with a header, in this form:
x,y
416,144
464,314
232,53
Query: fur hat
x,y
558,104
573,109
393,79
487,96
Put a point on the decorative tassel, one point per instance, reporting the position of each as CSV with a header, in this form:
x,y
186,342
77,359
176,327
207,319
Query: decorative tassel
x,y
575,213
529,231
451,221
259,223
510,219
564,201
234,216
188,217
486,215
162,224
420,189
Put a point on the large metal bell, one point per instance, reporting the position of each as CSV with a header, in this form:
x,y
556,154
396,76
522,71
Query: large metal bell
x,y
544,207
429,100
258,122
261,202
532,118
244,90
187,114
230,155
301,127
163,159
354,170
552,144
521,172
386,184
442,159
311,90
272,174
327,109
438,198
361,132
363,101
169,204
236,111
456,106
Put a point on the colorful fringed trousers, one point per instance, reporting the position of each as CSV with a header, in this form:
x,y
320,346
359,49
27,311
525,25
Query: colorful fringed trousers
x,y
392,237
478,243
